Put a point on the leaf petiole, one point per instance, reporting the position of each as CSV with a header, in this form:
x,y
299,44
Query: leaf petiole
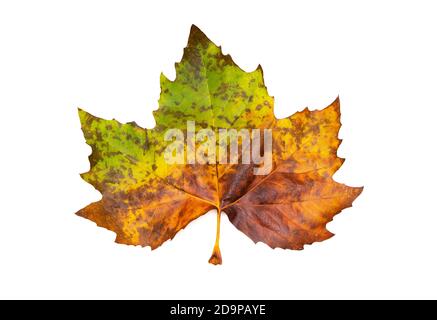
x,y
216,257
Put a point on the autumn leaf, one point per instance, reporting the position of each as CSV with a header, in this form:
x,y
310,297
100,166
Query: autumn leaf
x,y
147,199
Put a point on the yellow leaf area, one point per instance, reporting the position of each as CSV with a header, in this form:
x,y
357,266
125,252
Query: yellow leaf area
x,y
146,200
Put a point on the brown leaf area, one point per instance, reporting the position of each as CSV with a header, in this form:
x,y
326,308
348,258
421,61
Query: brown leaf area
x,y
291,206
147,202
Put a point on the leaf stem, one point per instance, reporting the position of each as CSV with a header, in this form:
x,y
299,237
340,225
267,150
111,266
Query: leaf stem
x,y
216,257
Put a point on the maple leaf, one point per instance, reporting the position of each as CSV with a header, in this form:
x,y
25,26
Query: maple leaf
x,y
146,199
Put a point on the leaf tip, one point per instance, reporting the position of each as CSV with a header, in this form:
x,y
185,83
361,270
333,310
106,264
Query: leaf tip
x,y
336,105
359,190
80,111
260,69
197,36
82,115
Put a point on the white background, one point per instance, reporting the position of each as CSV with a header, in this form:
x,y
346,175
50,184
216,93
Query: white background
x,y
106,57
